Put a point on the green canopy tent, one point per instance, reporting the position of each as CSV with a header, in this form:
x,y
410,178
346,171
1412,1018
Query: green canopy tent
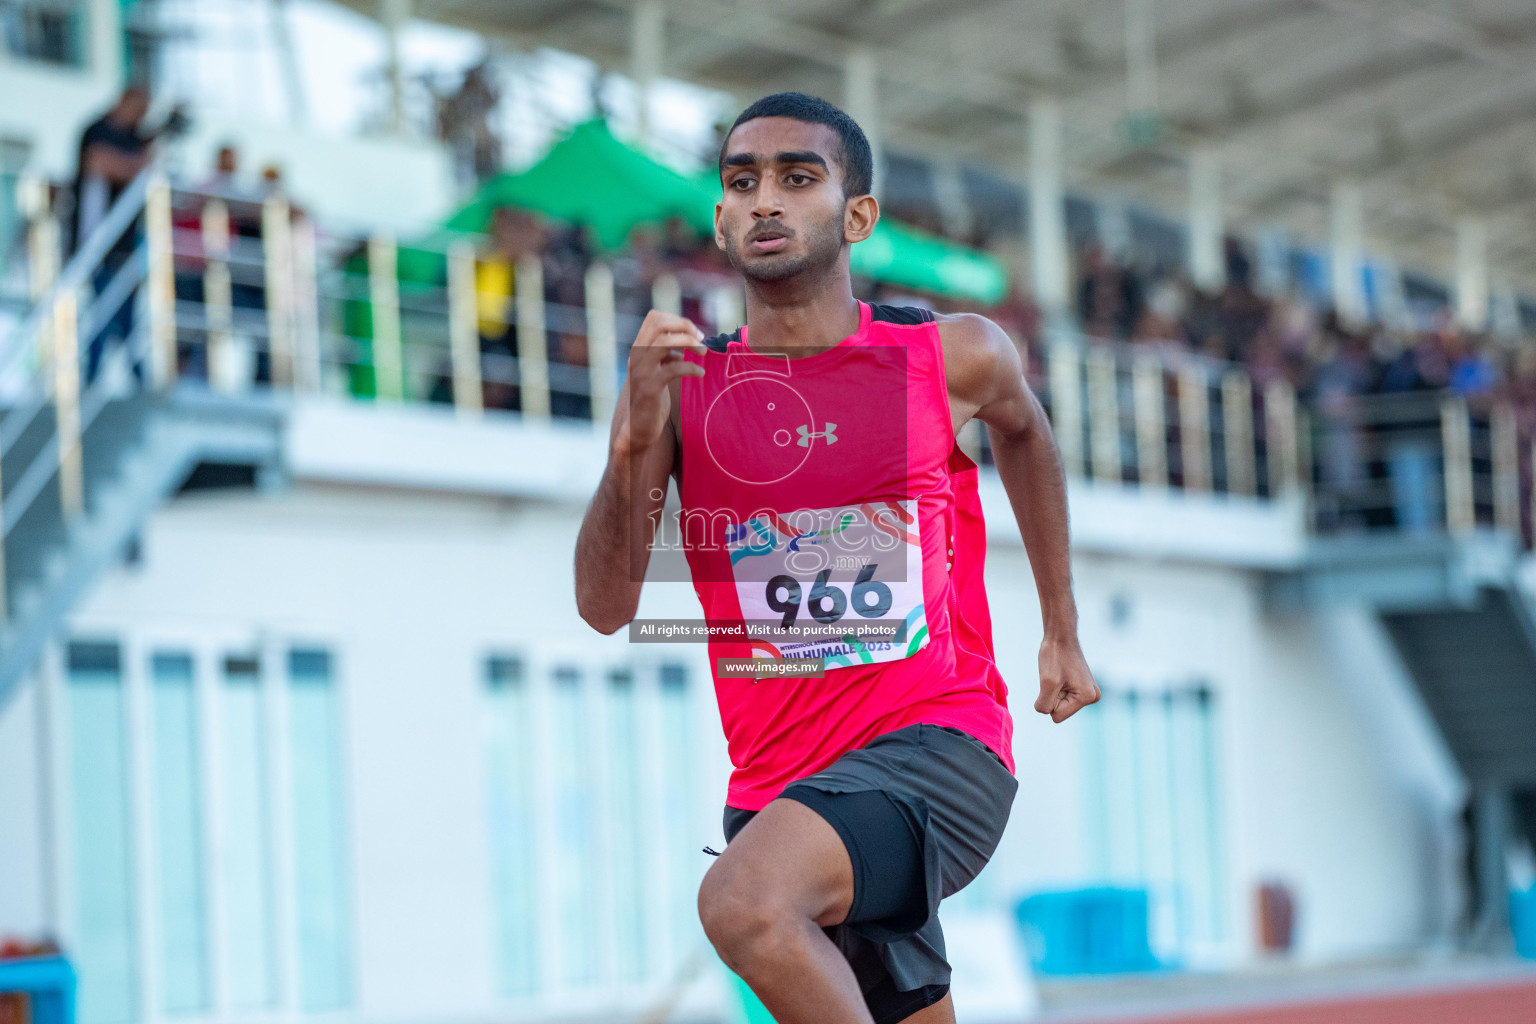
x,y
589,177
901,255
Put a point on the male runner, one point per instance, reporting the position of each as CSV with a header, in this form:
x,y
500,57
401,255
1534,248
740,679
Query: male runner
x,y
866,791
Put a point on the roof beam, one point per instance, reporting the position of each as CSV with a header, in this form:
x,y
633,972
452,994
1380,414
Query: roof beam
x,y
1321,92
1109,71
1429,27
1509,108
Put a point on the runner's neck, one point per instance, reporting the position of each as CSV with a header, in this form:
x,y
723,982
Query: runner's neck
x,y
804,326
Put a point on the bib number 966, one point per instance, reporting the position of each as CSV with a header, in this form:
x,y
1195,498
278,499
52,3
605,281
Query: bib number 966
x,y
827,603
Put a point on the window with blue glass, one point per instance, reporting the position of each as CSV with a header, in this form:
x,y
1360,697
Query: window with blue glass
x,y
247,868
575,830
104,953
49,31
678,777
319,834
634,960
511,813
1152,793
184,968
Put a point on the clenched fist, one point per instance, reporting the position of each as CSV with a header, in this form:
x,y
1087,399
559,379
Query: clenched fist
x,y
655,360
1066,684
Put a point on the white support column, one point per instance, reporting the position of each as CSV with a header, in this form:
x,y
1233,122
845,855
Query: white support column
x,y
647,51
277,261
532,345
1207,258
1472,273
1504,312
1112,221
463,336
1064,367
861,98
602,345
309,369
160,281
1456,451
1347,229
139,757
1140,56
1273,270
384,306
1147,391
288,63
950,197
1047,210
104,38
394,14
667,294
1393,301
1103,416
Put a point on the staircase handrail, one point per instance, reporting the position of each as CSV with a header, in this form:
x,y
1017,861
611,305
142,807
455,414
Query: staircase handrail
x,y
81,265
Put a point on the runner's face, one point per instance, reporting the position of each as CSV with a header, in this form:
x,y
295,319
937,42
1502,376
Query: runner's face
x,y
783,209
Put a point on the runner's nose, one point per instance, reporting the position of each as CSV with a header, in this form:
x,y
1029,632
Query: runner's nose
x,y
767,206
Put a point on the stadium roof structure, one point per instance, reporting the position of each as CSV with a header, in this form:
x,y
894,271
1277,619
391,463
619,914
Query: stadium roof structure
x,y
1429,105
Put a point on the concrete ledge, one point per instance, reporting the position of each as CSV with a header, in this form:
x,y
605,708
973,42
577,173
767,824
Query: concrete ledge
x,y
1398,573
1167,524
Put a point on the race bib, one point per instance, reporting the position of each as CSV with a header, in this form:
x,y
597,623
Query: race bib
x,y
841,584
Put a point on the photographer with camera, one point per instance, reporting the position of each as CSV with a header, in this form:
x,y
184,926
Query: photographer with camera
x,y
114,149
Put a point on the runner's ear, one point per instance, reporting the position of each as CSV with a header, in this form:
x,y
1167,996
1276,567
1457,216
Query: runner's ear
x,y
860,215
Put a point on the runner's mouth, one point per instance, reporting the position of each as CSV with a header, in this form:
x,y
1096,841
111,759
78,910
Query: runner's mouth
x,y
768,238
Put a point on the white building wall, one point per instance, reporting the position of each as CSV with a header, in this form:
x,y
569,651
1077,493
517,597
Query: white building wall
x,y
1348,799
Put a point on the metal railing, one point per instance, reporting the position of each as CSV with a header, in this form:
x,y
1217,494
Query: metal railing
x,y
1125,416
288,308
1421,463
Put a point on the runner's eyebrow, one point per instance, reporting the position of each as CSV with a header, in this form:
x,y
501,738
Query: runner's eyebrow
x,y
802,156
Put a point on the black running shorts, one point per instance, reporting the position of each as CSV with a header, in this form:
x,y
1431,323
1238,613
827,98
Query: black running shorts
x,y
920,811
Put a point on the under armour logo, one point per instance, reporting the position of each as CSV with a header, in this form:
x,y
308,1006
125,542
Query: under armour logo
x,y
806,433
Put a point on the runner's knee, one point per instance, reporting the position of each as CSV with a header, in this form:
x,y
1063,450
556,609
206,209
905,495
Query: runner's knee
x,y
746,923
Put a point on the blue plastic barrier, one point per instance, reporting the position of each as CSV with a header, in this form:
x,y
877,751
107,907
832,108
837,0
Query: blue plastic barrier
x,y
1522,920
1087,931
48,982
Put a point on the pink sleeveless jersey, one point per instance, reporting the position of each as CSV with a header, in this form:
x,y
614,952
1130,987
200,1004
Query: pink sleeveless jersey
x,y
826,491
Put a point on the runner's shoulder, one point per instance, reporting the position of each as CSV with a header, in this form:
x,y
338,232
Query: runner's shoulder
x,y
968,328
977,352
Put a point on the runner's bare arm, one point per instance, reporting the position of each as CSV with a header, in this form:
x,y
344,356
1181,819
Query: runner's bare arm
x,y
986,382
613,547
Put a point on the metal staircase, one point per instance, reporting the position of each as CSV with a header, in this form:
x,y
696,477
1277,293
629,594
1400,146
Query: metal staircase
x,y
81,471
1476,667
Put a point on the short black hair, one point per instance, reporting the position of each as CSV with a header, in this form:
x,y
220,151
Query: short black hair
x,y
854,154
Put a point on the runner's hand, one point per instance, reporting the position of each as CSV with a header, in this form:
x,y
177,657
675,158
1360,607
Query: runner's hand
x,y
655,361
1066,684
